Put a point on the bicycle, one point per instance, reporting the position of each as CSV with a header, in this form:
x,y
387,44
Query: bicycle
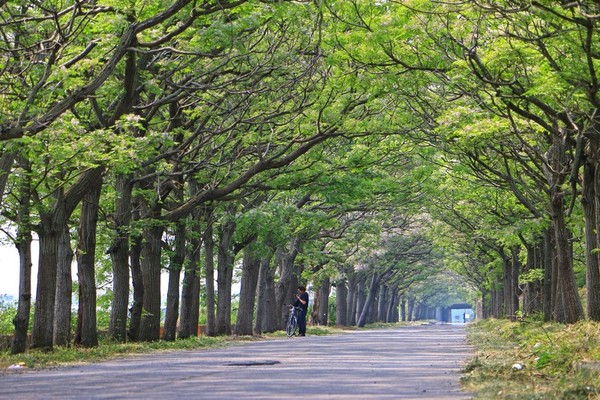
x,y
292,326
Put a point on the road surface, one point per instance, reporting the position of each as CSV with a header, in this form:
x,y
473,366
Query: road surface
x,y
414,362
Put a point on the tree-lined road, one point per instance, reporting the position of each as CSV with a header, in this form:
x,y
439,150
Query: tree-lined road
x,y
417,362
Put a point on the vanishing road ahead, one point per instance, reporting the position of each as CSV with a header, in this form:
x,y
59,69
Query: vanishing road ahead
x,y
415,362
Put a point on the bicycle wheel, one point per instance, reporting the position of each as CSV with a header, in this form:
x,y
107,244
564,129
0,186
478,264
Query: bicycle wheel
x,y
291,327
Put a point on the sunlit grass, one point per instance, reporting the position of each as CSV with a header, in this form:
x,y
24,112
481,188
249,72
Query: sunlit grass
x,y
534,360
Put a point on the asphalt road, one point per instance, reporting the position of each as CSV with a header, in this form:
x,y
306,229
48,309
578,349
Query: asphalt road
x,y
417,362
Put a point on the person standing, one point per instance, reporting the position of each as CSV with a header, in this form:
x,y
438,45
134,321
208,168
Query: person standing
x,y
302,303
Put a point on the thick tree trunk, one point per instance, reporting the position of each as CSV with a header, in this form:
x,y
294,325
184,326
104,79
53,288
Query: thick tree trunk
x,y
119,253
323,306
352,299
137,282
591,243
188,324
209,246
366,309
151,269
515,270
284,289
568,308
248,284
64,290
266,316
548,284
225,260
175,266
87,333
593,306
410,308
360,301
403,316
341,303
23,244
51,226
392,310
382,304
42,334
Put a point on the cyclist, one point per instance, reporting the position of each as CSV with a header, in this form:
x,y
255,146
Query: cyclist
x,y
302,302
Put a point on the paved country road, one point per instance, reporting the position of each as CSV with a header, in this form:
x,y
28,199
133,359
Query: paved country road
x,y
415,362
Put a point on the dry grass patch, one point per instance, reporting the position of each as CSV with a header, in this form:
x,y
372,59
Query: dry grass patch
x,y
534,360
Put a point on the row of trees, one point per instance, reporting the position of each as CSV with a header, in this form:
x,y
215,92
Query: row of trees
x,y
400,152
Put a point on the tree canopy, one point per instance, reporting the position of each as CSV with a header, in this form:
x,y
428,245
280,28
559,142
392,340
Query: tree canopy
x,y
407,154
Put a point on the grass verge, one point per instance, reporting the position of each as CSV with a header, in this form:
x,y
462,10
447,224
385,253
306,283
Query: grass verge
x,y
533,360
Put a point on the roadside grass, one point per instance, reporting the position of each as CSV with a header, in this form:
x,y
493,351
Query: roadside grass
x,y
532,359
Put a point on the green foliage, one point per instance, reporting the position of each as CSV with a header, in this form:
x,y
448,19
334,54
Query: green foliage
x,y
8,310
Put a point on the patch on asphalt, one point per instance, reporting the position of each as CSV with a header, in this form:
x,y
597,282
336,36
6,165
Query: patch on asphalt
x,y
252,363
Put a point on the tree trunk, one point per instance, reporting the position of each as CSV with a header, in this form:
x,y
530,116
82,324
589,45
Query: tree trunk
x,y
119,253
568,308
250,272
548,286
42,334
392,311
225,259
284,289
323,308
591,240
366,309
51,226
266,320
352,299
24,240
188,324
175,266
64,291
87,333
360,300
137,282
151,269
410,311
341,303
209,246
382,304
515,270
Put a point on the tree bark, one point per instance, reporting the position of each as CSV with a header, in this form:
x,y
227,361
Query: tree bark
x,y
323,306
137,282
284,289
23,244
225,260
248,284
64,291
87,333
591,240
366,308
188,324
209,246
266,315
151,269
51,226
175,265
119,253
341,303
